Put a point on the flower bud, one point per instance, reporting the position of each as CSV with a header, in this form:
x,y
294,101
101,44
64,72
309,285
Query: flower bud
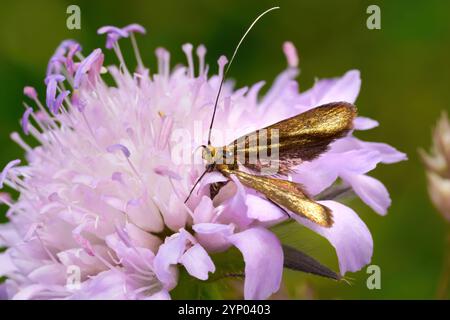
x,y
437,165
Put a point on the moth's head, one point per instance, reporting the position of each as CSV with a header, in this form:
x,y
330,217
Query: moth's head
x,y
213,155
209,154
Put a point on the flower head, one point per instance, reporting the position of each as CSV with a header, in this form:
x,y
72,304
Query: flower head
x,y
438,167
103,193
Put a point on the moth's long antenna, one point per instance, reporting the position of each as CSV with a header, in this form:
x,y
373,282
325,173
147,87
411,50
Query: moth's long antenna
x,y
195,184
228,67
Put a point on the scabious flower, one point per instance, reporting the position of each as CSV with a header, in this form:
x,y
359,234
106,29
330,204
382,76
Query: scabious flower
x,y
103,192
438,167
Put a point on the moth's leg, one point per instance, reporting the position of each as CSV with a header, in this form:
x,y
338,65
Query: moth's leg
x,y
280,207
214,188
209,168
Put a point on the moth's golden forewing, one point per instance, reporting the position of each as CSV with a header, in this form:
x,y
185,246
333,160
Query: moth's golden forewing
x,y
284,193
300,138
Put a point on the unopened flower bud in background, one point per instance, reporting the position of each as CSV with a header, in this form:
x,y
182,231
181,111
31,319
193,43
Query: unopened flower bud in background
x,y
437,165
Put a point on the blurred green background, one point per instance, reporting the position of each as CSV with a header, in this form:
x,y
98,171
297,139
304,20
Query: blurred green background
x,y
405,71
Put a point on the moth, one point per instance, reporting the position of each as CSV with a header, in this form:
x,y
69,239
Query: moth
x,y
300,138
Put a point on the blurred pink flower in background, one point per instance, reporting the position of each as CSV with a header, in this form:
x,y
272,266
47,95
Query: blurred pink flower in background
x,y
103,193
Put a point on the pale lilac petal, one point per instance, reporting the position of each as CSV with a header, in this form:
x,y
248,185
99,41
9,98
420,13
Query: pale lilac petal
x,y
143,213
344,89
262,209
254,92
169,254
6,264
363,123
211,228
175,213
387,153
325,91
133,259
41,292
53,274
197,262
161,295
316,175
371,191
204,211
8,235
319,174
279,85
142,238
213,236
88,264
5,198
235,209
3,292
348,235
107,285
263,258
357,161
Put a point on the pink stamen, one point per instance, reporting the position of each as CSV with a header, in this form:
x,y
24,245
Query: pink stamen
x,y
187,49
6,170
291,54
222,62
25,120
201,52
30,92
119,147
166,172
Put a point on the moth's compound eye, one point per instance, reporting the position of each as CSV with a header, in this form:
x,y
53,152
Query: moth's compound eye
x,y
208,154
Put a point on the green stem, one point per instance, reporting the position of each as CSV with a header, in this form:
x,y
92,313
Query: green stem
x,y
444,282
